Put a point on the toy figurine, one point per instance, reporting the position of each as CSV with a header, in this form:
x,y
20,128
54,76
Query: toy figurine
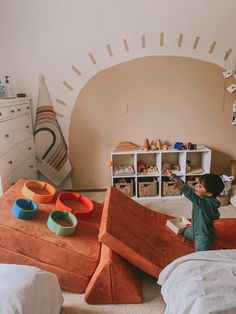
x,y
158,144
146,145
153,145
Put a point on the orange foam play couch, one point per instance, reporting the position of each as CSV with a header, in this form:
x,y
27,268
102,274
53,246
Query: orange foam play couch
x,y
132,238
73,259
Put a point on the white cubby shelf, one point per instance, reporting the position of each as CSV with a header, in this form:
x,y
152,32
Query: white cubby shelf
x,y
127,170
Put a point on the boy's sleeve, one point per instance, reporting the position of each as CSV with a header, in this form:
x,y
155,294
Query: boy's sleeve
x,y
190,194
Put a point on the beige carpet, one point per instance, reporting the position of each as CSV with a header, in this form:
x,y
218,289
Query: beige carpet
x,y
152,299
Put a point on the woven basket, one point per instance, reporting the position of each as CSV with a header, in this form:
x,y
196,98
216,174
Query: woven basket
x,y
224,199
147,188
125,187
168,189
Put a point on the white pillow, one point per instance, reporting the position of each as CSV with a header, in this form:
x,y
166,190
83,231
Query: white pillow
x,y
28,289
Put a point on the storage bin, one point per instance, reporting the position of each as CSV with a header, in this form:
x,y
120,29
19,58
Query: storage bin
x,y
169,190
147,188
126,186
224,199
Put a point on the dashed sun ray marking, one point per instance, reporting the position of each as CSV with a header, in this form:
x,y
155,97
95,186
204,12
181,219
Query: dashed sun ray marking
x,y
180,41
61,102
126,45
76,70
92,58
67,85
196,41
212,47
59,115
161,39
109,50
227,54
143,41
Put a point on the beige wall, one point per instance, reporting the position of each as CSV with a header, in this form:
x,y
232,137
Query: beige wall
x,y
171,98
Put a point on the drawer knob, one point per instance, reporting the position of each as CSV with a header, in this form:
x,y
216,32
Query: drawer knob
x,y
19,109
6,135
12,111
10,162
0,113
29,148
27,126
31,166
27,107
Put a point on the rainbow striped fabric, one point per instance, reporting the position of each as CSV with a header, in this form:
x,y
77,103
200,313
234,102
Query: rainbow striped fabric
x,y
50,147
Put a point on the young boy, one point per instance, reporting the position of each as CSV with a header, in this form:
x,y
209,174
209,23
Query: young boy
x,y
204,209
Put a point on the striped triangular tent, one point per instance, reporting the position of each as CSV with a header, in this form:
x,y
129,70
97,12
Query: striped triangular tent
x,y
50,147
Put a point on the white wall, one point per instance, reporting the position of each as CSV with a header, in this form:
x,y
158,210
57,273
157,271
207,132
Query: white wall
x,y
49,36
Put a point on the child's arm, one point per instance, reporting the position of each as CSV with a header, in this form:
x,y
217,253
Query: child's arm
x,y
187,191
178,182
202,202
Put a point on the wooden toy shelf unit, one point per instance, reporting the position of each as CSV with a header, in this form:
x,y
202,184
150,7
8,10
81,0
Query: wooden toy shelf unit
x,y
138,173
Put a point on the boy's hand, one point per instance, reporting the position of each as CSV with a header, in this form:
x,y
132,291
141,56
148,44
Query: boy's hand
x,y
167,173
178,185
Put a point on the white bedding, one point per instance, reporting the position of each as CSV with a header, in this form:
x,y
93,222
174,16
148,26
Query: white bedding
x,y
28,290
200,283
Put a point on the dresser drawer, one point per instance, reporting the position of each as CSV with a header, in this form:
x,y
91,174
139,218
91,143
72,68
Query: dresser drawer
x,y
12,111
6,112
6,140
15,131
22,128
27,170
27,148
22,108
11,160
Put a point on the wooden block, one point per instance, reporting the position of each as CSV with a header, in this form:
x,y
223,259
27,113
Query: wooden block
x,y
126,146
115,281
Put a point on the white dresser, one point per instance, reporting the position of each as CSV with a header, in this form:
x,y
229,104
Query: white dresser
x,y
17,152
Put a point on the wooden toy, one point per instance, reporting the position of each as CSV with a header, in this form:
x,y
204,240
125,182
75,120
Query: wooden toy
x,y
146,145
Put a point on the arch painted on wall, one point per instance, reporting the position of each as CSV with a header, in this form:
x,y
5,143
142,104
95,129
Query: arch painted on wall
x,y
93,137
180,46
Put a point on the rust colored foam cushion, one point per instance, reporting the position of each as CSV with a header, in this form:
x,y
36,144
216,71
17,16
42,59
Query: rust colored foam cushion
x,y
139,234
77,254
115,281
225,233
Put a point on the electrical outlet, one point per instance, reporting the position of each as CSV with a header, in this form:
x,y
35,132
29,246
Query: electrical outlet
x,y
227,73
231,88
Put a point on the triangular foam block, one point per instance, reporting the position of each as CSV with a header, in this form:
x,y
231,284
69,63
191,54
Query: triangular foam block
x,y
139,234
115,281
